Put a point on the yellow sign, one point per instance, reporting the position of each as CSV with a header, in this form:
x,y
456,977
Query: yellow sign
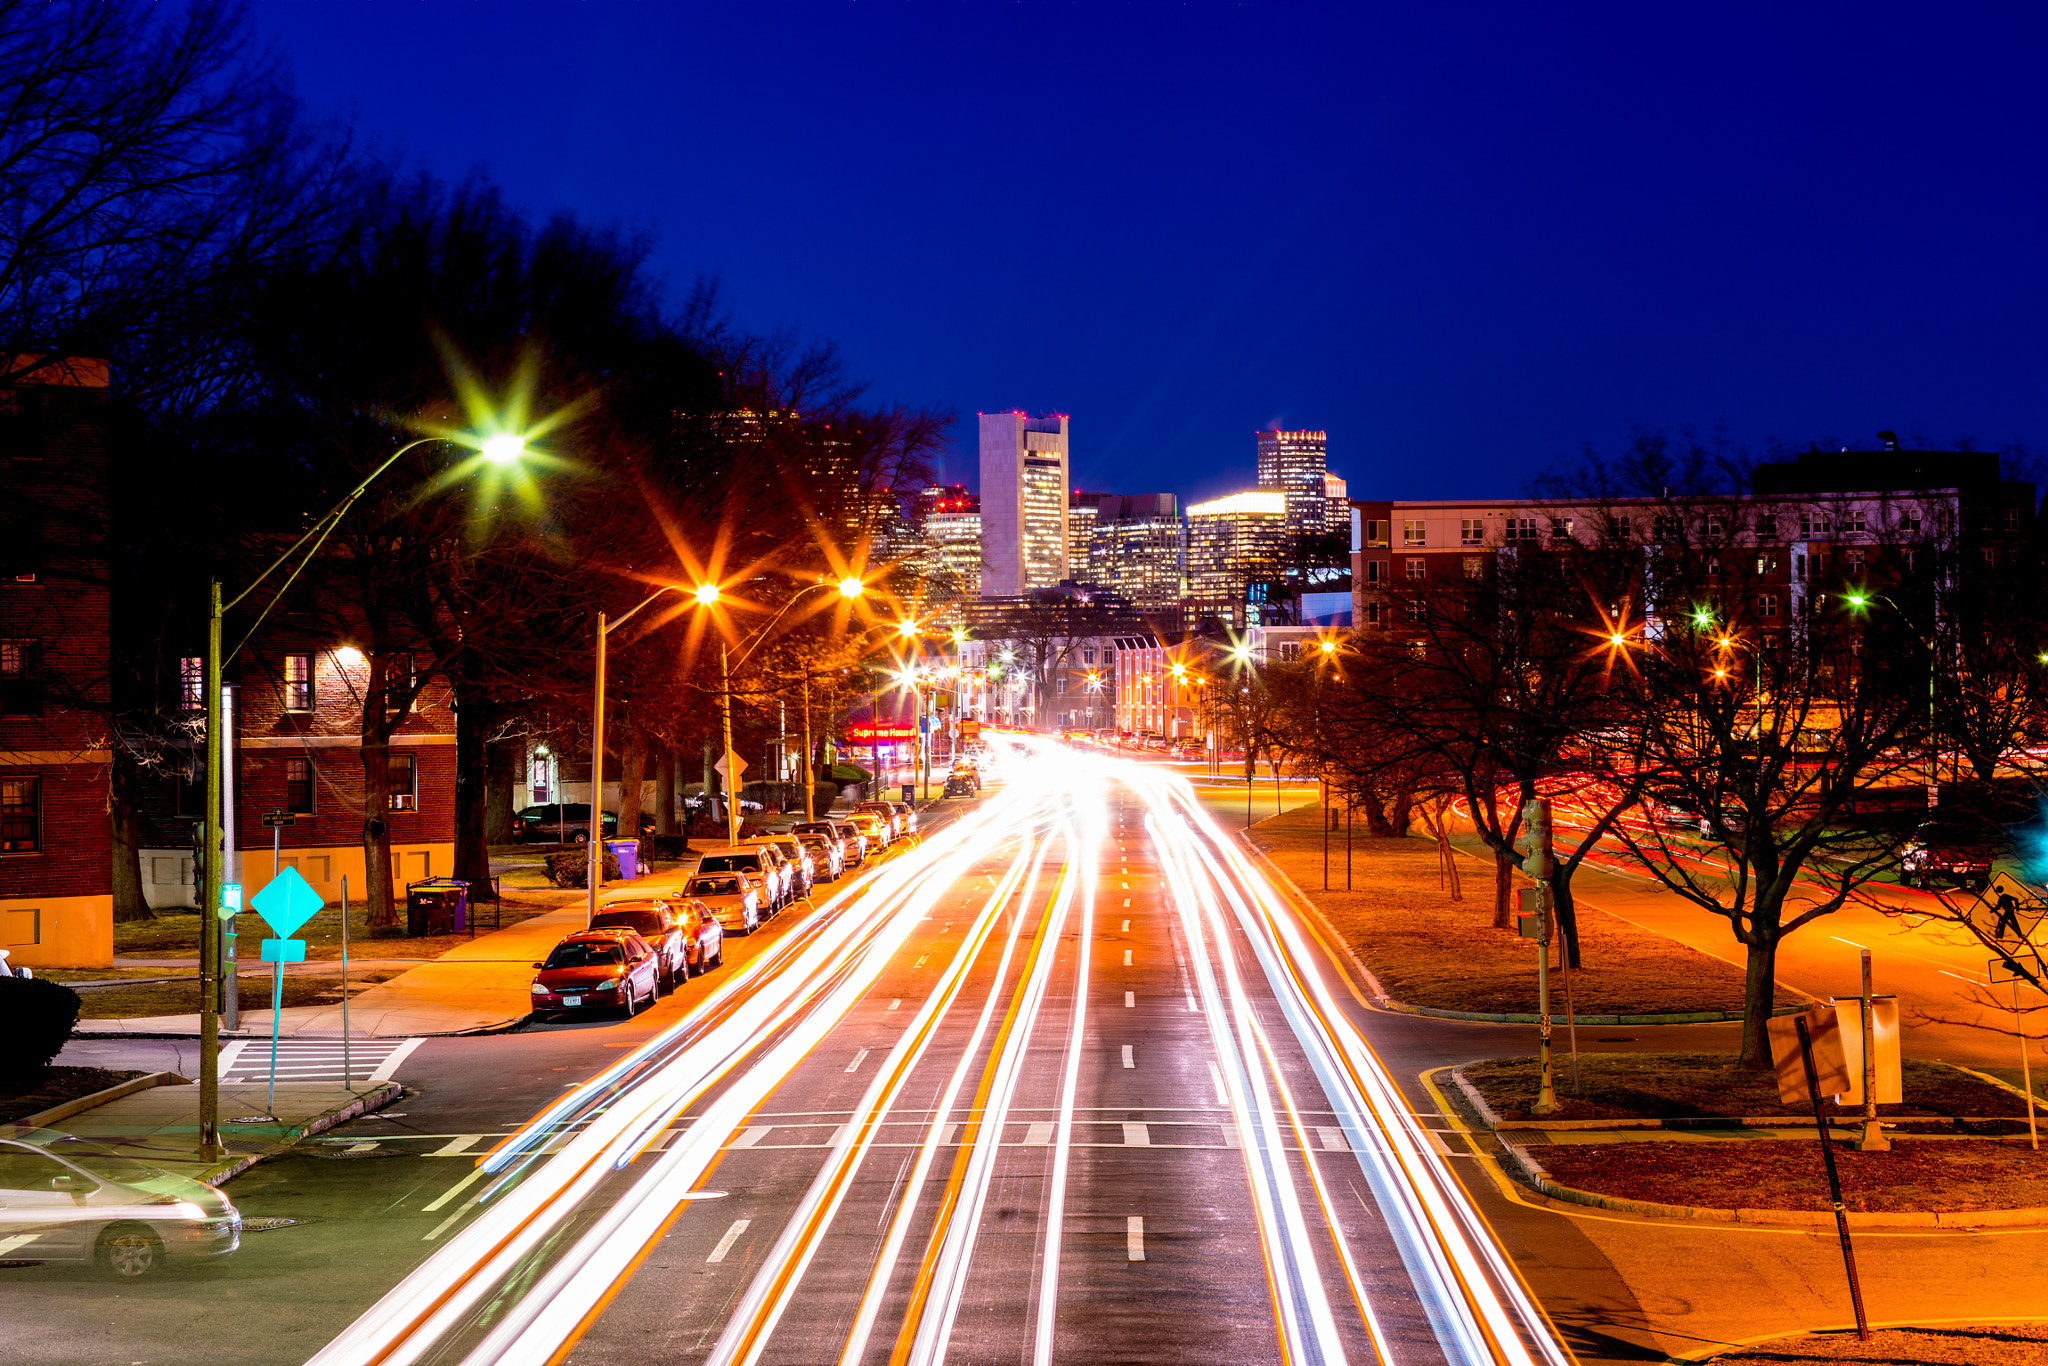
x,y
2007,912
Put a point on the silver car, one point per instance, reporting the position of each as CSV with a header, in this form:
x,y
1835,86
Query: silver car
x,y
68,1199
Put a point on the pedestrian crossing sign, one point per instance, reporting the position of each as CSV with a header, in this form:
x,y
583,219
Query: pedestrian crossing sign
x,y
2007,912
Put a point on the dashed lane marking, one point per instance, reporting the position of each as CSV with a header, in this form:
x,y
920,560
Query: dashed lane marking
x,y
732,1235
1127,957
858,1059
1038,1134
1137,1136
1130,999
1134,1238
1129,1061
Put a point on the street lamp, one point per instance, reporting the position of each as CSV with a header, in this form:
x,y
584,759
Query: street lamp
x,y
1859,603
503,448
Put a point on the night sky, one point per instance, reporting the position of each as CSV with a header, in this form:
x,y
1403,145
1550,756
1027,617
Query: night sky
x,y
1464,239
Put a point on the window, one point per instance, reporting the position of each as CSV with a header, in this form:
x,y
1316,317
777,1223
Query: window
x,y
1472,531
1290,650
21,691
1376,532
21,812
1854,560
1767,564
1521,528
298,682
1767,527
1418,568
1088,657
404,782
399,680
1990,556
1908,556
1909,523
191,682
1062,687
1560,528
1853,521
1714,527
2012,519
1475,566
1714,568
1372,614
298,785
1665,528
1375,571
1814,524
1767,605
1412,533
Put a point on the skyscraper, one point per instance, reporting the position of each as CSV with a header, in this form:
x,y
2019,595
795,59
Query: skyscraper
x,y
1024,543
1138,549
1336,506
951,520
1234,542
1081,515
1294,463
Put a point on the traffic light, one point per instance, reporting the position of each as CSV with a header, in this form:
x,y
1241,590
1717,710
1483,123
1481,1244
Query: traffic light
x,y
1539,861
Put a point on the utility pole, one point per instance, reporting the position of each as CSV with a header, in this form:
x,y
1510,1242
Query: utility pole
x,y
732,767
594,872
810,771
210,856
1539,864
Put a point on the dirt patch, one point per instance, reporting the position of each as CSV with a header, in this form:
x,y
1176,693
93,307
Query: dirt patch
x,y
58,1085
1688,1085
1430,951
2007,1344
182,998
1928,1175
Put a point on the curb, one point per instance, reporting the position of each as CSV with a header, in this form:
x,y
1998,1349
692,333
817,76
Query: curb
x,y
42,1119
1494,1017
505,1026
1516,1160
319,1124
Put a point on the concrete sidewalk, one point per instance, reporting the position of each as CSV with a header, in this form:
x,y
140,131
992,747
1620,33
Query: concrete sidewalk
x,y
478,987
160,1125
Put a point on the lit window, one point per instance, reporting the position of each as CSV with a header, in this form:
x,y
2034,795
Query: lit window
x,y
1418,568
1560,528
20,815
1472,531
1412,533
1475,566
298,682
404,784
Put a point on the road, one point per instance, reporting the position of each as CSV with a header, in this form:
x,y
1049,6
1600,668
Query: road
x,y
1066,1081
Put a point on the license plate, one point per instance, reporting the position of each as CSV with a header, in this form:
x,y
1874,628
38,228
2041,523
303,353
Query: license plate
x,y
572,1000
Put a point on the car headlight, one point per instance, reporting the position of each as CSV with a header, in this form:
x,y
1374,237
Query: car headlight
x,y
540,990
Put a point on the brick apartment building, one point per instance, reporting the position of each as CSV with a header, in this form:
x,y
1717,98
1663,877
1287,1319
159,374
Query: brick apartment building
x,y
56,891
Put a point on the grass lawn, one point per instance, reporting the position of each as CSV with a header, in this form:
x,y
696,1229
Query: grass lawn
x,y
2008,1344
1428,950
1682,1085
58,1085
1937,1175
175,934
182,998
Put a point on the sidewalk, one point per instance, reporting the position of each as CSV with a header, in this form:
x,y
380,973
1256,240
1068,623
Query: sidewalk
x,y
478,987
160,1125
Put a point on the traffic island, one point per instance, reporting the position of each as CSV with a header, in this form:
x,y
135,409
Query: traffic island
x,y
2007,1344
59,1087
1436,956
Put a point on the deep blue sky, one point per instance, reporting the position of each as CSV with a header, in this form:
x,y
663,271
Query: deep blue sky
x,y
1463,238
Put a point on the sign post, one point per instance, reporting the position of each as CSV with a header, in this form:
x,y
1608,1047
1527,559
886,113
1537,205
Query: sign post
x,y
286,902
2005,916
1537,864
1827,1155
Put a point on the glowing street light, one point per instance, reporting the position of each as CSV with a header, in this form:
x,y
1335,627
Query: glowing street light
x,y
850,587
504,448
707,594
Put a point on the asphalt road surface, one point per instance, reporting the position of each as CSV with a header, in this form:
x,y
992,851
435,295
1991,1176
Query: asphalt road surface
x,y
1065,1080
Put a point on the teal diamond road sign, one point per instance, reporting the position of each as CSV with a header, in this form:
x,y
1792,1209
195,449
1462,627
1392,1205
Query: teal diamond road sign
x,y
286,902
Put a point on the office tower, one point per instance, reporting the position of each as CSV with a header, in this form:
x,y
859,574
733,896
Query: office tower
x,y
951,525
1234,542
1294,463
1023,502
1081,515
1336,506
1138,549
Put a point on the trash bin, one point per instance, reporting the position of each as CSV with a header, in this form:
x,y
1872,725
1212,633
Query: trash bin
x,y
910,792
627,852
439,905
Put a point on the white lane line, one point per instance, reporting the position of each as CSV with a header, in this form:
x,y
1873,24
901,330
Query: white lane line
x,y
1129,1061
1216,1077
458,1188
1134,1238
732,1235
1038,1133
1333,1139
1137,1136
858,1059
749,1137
1127,963
1127,927
1130,999
926,958
1123,870
1127,903
1230,1133
227,1056
395,1057
368,1147
896,1004
456,1146
1127,886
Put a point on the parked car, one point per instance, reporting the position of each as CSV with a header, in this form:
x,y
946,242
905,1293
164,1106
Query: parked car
x,y
765,866
876,827
608,969
884,812
828,857
68,1199
796,855
906,817
735,898
661,923
1956,848
704,938
959,784
560,823
853,845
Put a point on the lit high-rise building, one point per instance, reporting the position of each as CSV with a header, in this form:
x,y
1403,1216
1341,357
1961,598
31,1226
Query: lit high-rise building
x,y
1295,463
1081,515
1138,549
1024,542
951,529
1336,506
1234,542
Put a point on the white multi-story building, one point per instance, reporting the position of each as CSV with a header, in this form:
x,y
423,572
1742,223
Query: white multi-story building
x,y
1082,512
1024,541
1234,542
952,534
1296,464
1138,550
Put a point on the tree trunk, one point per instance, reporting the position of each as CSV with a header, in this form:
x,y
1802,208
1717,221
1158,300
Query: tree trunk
x,y
1759,996
502,762
129,902
632,772
377,903
665,791
472,789
1503,891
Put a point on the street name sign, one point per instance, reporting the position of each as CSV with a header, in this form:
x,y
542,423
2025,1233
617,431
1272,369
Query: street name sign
x,y
280,818
286,902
